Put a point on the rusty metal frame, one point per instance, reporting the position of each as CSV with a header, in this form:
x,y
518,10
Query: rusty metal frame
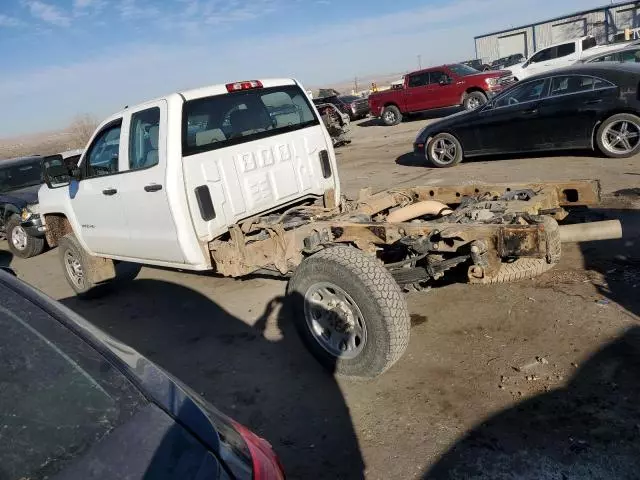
x,y
284,250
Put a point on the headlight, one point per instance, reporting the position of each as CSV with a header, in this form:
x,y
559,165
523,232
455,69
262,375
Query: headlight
x,y
28,212
492,82
25,214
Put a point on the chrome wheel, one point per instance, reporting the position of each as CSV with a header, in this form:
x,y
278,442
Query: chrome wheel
x,y
19,238
334,320
389,116
443,150
473,103
74,269
621,137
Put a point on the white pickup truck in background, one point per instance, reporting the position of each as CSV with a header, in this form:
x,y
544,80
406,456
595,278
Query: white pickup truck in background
x,y
557,56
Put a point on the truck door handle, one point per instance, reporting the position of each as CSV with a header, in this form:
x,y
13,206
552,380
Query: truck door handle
x,y
109,191
154,187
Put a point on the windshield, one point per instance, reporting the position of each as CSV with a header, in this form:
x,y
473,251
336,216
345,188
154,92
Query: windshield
x,y
58,396
20,175
462,70
231,119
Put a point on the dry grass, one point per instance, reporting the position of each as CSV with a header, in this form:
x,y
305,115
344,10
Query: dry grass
x,y
76,135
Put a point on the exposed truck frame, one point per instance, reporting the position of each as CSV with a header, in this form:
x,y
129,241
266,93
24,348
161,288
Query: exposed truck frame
x,y
240,190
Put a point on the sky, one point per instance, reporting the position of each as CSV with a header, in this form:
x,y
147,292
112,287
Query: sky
x,y
62,58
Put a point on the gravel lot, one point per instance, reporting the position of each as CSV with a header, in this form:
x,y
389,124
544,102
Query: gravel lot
x,y
537,379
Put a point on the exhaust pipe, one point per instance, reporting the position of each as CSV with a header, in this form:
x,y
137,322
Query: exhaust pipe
x,y
591,232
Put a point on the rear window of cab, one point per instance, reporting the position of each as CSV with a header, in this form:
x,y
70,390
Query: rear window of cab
x,y
221,121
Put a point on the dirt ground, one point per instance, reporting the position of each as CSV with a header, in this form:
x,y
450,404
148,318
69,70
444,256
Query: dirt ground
x,y
537,379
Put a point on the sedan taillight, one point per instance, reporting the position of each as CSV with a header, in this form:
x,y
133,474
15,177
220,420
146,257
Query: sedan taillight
x,y
266,465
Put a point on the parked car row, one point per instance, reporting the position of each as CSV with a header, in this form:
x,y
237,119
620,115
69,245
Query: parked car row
x,y
590,106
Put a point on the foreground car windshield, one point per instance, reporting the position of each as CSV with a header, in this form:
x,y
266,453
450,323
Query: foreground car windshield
x,y
231,119
462,70
20,175
58,396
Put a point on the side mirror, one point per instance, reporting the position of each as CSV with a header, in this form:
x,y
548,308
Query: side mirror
x,y
56,173
445,81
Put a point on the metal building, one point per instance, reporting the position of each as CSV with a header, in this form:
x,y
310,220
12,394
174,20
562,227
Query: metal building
x,y
606,23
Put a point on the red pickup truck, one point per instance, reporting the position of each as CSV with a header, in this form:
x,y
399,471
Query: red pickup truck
x,y
438,87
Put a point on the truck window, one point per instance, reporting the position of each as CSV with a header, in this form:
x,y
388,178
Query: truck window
x,y
220,121
143,139
418,79
102,156
588,43
566,49
435,77
542,56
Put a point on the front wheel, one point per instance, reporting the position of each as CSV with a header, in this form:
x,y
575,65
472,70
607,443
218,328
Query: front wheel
x,y
20,242
474,100
349,311
619,136
444,150
90,276
391,115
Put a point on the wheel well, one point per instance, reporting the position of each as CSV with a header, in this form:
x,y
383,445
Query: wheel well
x,y
8,210
471,90
58,226
391,104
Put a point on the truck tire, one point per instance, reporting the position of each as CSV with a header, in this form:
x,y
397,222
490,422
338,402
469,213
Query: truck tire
x,y
391,115
527,268
86,274
619,126
20,242
349,311
473,100
444,151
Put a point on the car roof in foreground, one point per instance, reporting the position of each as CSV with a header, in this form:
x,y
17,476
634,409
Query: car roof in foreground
x,y
605,68
10,162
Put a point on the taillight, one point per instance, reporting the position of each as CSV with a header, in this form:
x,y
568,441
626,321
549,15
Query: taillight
x,y
266,465
325,164
247,85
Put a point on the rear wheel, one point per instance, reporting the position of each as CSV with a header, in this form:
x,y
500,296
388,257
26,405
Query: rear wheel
x,y
391,115
20,242
349,311
474,100
444,150
619,136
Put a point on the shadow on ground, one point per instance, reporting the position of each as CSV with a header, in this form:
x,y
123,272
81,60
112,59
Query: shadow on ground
x,y
590,429
410,159
260,375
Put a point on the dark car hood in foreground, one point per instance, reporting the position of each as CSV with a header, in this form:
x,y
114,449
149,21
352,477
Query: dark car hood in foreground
x,y
178,401
21,197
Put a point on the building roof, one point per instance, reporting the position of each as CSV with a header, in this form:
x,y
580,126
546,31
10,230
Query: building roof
x,y
563,17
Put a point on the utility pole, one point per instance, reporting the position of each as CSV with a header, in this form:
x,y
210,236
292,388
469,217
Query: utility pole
x,y
355,83
419,62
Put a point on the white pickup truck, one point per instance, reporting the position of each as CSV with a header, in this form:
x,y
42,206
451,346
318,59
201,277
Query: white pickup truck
x,y
558,55
242,177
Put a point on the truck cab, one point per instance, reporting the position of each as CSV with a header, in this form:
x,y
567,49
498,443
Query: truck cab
x,y
158,181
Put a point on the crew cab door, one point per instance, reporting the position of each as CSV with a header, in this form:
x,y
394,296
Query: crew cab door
x,y
417,94
142,186
94,198
443,90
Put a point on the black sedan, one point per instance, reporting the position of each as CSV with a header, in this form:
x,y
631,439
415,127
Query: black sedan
x,y
75,403
585,106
